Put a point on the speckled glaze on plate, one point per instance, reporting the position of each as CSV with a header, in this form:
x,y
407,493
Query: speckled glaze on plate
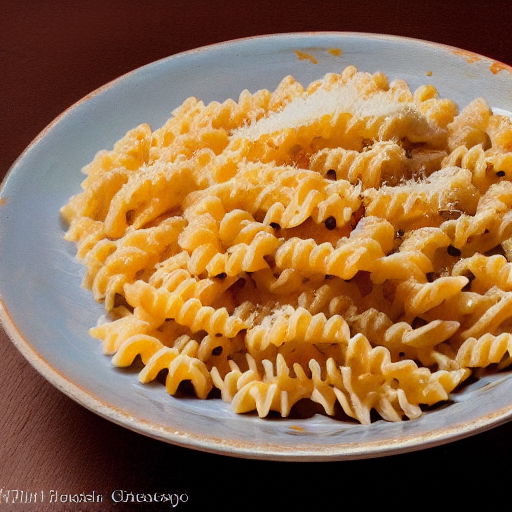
x,y
47,314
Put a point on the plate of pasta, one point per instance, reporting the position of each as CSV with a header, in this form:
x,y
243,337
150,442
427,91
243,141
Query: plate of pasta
x,y
288,247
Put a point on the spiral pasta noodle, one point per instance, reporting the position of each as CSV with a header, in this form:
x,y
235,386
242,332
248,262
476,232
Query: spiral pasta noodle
x,y
347,243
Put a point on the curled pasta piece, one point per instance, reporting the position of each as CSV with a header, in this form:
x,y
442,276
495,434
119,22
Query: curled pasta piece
x,y
360,251
340,385
401,265
282,194
94,201
130,152
440,110
247,242
176,261
159,188
424,344
156,357
424,161
406,122
419,204
180,281
122,261
200,238
476,160
490,319
417,298
333,297
287,90
156,305
425,240
271,388
343,262
381,330
489,226
86,233
179,134
341,201
239,227
217,351
486,350
366,84
486,271
287,282
499,130
469,127
463,306
416,258
113,333
385,160
296,325
312,197
419,385
244,257
369,380
139,345
413,379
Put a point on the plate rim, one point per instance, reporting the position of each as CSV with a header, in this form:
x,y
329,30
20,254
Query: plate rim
x,y
210,444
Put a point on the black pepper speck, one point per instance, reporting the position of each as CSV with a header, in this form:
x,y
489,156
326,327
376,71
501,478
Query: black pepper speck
x,y
330,223
453,251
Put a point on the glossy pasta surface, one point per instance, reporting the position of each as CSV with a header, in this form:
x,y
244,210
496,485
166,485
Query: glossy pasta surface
x,y
348,243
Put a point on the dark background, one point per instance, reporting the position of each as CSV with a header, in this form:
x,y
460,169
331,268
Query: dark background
x,y
54,52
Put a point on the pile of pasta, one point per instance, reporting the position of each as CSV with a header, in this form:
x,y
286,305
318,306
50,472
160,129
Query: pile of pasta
x,y
347,243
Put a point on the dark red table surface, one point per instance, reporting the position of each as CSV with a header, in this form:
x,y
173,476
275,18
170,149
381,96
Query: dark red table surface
x,y
54,52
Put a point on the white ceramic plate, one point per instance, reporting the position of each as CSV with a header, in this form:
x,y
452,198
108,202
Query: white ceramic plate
x,y
47,314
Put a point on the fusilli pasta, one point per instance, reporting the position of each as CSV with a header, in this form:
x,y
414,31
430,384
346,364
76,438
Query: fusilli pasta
x,y
347,243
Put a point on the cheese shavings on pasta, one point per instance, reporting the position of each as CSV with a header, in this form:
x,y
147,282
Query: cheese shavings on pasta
x,y
347,243
332,103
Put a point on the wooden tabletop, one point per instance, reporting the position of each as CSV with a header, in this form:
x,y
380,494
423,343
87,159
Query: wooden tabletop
x,y
54,52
